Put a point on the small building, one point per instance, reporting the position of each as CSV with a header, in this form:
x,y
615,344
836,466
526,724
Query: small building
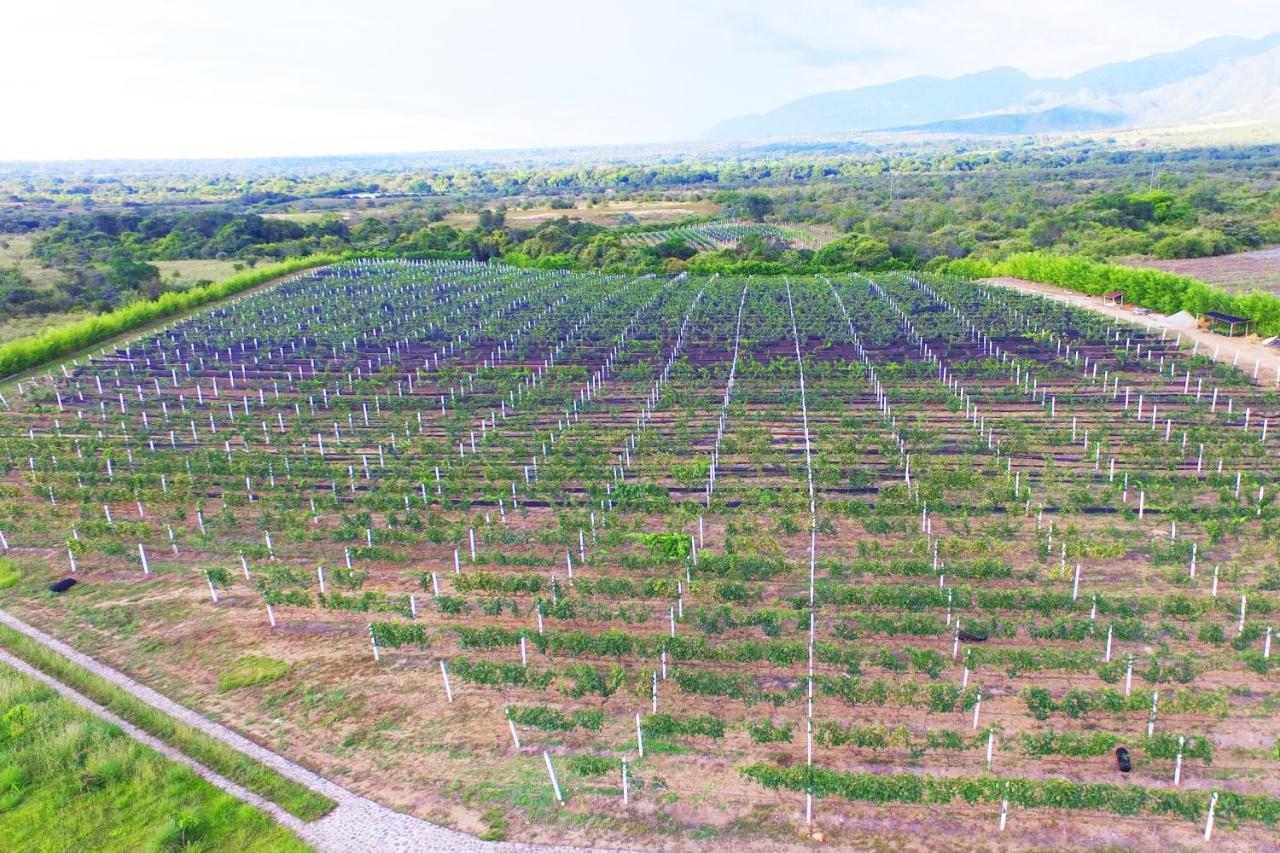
x,y
1115,297
1226,324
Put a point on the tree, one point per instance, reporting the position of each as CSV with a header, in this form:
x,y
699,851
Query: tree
x,y
757,206
856,251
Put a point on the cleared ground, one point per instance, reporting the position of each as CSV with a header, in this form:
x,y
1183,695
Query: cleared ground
x,y
1241,272
646,212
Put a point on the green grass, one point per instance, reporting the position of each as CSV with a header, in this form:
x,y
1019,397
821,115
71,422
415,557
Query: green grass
x,y
249,671
296,799
10,574
69,781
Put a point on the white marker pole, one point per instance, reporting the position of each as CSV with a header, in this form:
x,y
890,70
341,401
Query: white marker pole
x,y
444,674
514,737
551,771
1208,824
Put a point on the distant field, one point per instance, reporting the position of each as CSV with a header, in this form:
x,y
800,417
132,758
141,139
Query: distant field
x,y
601,214
301,217
1243,271
194,271
20,327
15,250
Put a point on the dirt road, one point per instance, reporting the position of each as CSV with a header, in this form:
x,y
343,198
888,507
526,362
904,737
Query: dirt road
x,y
1245,353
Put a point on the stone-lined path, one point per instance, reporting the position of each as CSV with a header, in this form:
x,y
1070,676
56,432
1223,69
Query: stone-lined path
x,y
357,824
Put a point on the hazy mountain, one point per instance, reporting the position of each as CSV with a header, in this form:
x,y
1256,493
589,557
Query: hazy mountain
x,y
915,100
1227,76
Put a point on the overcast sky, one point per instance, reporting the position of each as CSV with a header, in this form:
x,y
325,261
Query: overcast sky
x,y
167,78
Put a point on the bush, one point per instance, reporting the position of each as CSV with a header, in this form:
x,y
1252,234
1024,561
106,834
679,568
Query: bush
x,y
10,574
593,765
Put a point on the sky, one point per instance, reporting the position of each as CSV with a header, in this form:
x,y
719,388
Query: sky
x,y
164,78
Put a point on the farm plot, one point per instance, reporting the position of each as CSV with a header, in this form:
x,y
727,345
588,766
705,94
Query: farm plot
x,y
709,237
736,559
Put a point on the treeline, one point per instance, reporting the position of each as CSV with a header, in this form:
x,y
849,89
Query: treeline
x,y
1160,291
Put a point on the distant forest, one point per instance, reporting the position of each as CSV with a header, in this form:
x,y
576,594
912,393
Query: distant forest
x,y
97,235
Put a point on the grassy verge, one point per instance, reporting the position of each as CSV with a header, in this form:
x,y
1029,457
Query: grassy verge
x,y
296,799
65,340
69,781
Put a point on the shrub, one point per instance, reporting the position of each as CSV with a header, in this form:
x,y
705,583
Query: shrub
x,y
10,574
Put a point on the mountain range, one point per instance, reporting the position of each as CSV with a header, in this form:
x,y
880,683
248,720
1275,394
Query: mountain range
x,y
1229,78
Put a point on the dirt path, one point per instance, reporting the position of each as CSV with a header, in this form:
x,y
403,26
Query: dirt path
x,y
1223,348
357,824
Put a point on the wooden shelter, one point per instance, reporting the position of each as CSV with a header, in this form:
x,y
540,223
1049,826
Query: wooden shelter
x,y
1226,324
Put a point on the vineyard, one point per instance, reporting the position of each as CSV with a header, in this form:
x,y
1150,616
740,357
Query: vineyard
x,y
712,236
659,562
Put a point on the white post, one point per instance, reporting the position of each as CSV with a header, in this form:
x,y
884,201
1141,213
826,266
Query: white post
x,y
991,743
1177,762
146,569
514,737
320,574
1004,811
1208,824
1110,629
551,771
977,707
213,592
639,736
1128,677
444,674
626,787
1151,720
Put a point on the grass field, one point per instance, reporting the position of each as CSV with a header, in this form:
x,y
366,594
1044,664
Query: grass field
x,y
292,797
199,271
15,251
69,781
647,212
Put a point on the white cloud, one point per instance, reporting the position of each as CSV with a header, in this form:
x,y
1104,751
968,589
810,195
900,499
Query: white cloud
x,y
148,78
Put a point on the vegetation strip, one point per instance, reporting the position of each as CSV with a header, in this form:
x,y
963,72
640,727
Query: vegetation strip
x,y
33,351
1028,793
1160,291
69,780
294,798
